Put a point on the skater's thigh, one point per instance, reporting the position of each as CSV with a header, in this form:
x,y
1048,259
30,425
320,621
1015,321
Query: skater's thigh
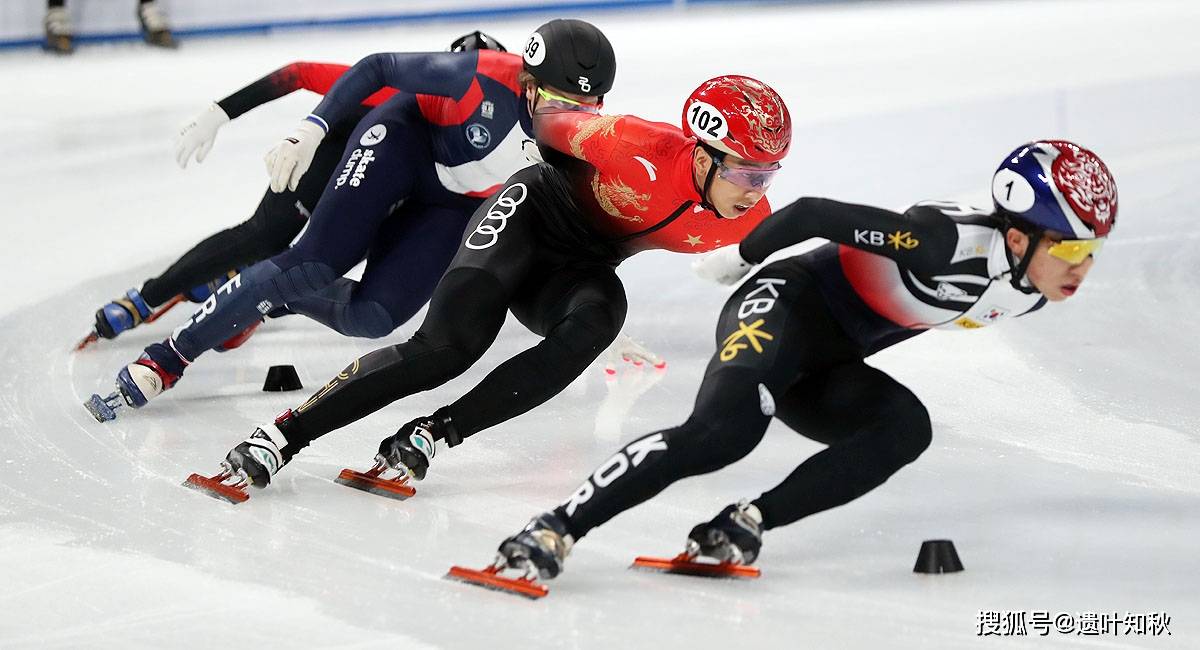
x,y
590,292
500,240
841,401
410,256
776,324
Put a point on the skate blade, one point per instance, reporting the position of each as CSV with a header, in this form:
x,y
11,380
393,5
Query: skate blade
x,y
395,488
91,338
216,489
490,578
683,566
100,409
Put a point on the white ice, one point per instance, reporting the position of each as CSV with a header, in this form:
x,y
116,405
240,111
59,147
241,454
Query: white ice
x,y
1065,454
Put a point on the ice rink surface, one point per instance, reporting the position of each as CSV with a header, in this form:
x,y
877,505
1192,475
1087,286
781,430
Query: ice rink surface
x,y
1065,454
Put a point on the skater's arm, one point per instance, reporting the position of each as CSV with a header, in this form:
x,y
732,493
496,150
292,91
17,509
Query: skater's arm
x,y
590,137
920,239
315,77
446,74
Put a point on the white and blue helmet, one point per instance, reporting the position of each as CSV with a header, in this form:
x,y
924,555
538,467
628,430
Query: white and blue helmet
x,y
1057,185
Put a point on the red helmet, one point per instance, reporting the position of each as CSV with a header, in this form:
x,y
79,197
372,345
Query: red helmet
x,y
740,116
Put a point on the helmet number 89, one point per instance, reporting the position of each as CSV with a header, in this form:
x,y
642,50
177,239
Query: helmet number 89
x,y
706,121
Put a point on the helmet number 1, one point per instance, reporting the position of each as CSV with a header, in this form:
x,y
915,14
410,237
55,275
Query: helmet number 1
x,y
706,121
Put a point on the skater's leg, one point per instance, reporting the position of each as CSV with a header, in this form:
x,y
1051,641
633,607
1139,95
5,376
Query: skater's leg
x,y
725,425
579,312
465,314
339,234
408,258
873,426
773,327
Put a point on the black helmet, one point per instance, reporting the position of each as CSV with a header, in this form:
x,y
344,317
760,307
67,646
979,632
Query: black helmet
x,y
476,40
571,55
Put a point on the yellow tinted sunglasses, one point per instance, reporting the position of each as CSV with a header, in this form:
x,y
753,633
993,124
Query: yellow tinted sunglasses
x,y
566,103
1074,251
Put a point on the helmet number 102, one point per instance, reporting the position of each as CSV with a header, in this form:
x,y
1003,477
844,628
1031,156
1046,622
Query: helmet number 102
x,y
706,121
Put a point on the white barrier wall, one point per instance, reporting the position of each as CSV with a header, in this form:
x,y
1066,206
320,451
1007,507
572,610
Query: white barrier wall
x,y
21,20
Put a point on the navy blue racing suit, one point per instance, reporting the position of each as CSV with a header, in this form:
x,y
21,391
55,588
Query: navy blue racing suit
x,y
413,171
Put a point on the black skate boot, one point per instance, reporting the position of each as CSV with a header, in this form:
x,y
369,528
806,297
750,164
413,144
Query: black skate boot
x,y
253,462
415,444
540,549
259,457
734,536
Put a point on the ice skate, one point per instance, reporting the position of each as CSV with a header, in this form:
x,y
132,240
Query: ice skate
x,y
414,445
720,548
538,551
251,463
407,452
153,373
734,535
374,481
123,314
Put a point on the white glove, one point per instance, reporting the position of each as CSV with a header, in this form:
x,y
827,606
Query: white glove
x,y
288,161
196,136
724,265
626,349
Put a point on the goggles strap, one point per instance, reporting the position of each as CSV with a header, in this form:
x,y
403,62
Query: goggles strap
x,y
717,157
1019,268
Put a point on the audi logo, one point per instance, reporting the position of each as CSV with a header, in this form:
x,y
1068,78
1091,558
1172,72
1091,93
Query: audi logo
x,y
503,208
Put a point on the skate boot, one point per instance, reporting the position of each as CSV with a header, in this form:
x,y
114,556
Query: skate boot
x,y
124,313
539,549
259,457
154,372
414,445
733,536
155,30
59,38
252,463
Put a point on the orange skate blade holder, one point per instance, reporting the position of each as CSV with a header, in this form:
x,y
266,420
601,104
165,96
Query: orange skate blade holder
x,y
369,481
685,565
213,487
490,578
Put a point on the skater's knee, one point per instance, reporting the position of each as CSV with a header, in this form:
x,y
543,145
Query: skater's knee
x,y
588,329
303,279
910,427
368,320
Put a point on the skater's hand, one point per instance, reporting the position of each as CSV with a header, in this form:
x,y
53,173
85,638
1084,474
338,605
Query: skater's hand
x,y
630,351
196,136
288,161
724,265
